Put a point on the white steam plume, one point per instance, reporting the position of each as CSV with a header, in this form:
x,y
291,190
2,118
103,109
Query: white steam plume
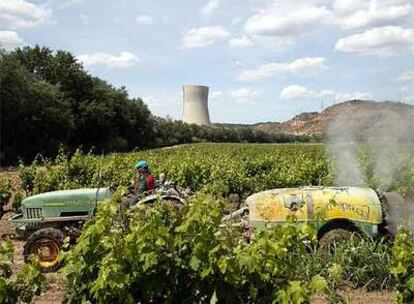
x,y
373,145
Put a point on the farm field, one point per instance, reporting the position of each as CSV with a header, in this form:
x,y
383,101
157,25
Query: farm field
x,y
128,259
222,168
225,169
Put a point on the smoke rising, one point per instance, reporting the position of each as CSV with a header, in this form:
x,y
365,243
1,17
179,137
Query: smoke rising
x,y
372,144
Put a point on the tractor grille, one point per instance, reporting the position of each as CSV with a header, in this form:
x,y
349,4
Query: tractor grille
x,y
33,213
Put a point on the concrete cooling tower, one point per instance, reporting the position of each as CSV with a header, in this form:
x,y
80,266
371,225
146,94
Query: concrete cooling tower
x,y
195,105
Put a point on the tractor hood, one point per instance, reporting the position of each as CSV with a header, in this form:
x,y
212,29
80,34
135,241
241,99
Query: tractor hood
x,y
66,197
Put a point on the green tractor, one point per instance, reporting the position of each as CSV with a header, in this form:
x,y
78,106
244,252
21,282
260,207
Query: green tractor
x,y
47,219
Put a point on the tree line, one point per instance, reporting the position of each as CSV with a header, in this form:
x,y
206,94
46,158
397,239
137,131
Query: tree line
x,y
49,100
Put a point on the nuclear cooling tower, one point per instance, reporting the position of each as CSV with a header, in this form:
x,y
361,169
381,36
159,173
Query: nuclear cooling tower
x,y
195,105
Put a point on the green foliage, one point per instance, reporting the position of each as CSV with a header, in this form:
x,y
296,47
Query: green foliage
x,y
36,114
403,266
361,262
5,193
21,287
27,176
222,169
17,201
48,99
168,132
5,190
163,255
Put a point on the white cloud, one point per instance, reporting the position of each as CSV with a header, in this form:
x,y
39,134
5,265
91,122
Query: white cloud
x,y
302,67
16,14
299,93
353,14
245,95
62,4
293,92
347,7
121,61
10,40
144,20
241,42
210,7
236,20
216,94
283,21
407,76
383,41
204,36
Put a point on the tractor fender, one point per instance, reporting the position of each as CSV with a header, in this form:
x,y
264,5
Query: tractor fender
x,y
153,197
172,197
236,214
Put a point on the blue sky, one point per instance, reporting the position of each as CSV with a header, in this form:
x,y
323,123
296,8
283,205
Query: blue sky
x,y
263,60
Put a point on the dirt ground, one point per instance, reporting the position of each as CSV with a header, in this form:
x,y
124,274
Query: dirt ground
x,y
359,296
12,174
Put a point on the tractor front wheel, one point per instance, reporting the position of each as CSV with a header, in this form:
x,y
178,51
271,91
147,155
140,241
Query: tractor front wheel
x,y
45,244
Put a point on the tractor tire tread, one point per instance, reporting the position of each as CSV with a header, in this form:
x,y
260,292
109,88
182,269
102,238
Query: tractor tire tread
x,y
334,235
50,233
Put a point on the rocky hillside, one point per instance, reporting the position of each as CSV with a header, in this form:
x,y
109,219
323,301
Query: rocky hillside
x,y
315,123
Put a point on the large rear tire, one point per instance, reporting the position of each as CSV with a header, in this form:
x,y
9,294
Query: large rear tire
x,y
45,244
332,237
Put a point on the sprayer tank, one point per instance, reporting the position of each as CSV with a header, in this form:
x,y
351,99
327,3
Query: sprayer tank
x,y
357,204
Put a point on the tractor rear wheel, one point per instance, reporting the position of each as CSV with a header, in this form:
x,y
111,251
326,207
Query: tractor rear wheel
x,y
176,205
327,241
45,244
171,202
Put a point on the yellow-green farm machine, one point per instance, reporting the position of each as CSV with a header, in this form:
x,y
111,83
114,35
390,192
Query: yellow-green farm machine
x,y
337,212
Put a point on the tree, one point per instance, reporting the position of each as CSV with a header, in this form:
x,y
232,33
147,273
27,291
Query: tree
x,y
60,103
36,117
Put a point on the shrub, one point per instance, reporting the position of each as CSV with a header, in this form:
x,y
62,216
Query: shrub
x,y
364,263
5,193
163,255
403,266
24,285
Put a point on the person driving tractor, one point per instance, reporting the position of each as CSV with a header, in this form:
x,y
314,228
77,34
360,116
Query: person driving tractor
x,y
144,179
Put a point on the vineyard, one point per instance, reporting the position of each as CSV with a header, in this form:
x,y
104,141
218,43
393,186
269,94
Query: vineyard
x,y
221,169
161,255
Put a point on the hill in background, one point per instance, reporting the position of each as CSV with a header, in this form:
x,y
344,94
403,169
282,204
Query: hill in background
x,y
316,123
